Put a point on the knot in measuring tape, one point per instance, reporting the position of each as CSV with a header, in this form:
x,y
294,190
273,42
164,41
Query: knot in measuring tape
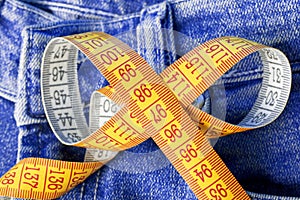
x,y
150,105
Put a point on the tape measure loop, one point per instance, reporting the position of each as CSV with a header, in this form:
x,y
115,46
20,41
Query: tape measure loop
x,y
140,104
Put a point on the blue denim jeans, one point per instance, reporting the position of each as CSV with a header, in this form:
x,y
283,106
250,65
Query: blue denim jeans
x,y
266,161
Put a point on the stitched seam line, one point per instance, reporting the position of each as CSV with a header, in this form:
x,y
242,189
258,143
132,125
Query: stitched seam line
x,y
77,8
45,15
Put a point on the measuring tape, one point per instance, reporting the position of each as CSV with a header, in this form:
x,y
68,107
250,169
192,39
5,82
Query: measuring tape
x,y
102,109
140,104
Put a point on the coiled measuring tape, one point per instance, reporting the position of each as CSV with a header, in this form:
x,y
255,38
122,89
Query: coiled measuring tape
x,y
144,105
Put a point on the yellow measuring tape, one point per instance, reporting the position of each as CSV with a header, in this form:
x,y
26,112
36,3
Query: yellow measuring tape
x,y
140,104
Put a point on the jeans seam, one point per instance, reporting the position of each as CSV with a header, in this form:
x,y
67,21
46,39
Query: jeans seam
x,y
270,197
170,43
45,15
176,1
245,76
22,103
82,190
20,146
86,22
165,40
97,185
8,94
241,73
40,141
155,14
157,8
236,79
77,8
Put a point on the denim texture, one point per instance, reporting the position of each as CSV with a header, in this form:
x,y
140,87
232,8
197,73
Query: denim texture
x,y
265,161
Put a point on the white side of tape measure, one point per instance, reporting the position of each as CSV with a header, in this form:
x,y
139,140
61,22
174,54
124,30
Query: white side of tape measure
x,y
101,110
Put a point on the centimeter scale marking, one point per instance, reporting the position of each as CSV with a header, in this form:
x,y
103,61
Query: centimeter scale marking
x,y
139,104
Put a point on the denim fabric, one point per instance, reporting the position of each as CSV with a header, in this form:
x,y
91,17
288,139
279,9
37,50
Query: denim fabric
x,y
271,156
93,8
9,135
265,161
14,17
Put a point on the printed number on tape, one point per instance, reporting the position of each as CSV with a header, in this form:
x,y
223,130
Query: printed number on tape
x,y
139,104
